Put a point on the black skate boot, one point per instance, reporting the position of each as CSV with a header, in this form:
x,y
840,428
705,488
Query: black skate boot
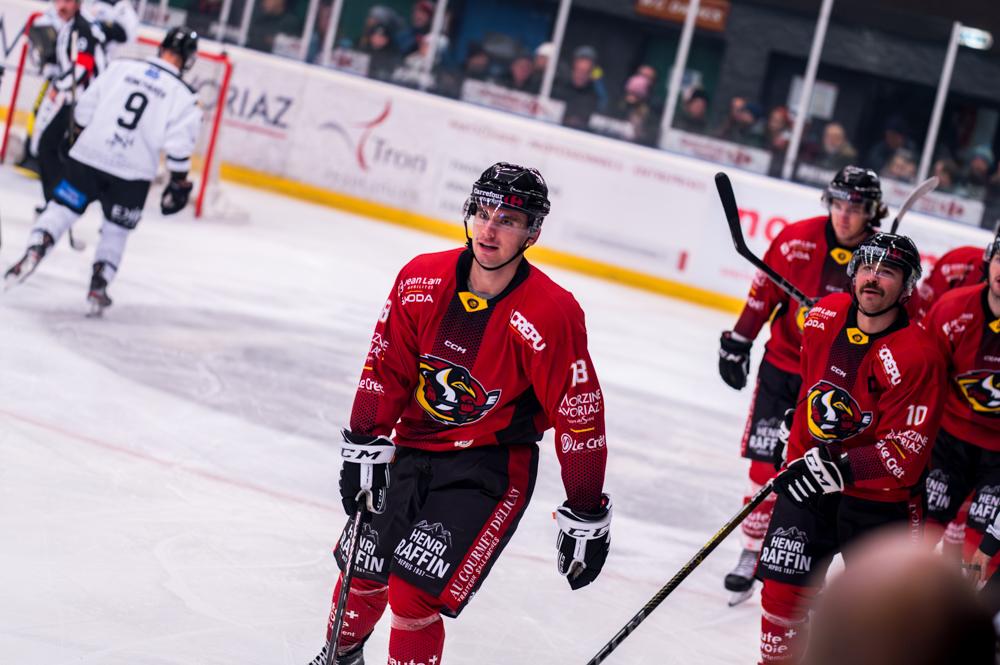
x,y
98,294
740,580
355,656
20,271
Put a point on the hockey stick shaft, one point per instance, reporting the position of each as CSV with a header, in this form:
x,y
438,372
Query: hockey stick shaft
x,y
728,199
923,188
682,574
74,54
345,582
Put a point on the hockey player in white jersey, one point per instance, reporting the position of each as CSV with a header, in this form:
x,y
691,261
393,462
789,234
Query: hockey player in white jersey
x,y
75,62
135,110
119,22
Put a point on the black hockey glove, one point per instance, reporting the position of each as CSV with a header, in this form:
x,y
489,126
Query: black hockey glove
x,y
734,359
812,475
784,432
583,542
365,471
175,194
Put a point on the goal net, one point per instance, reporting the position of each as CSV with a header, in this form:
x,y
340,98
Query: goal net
x,y
24,84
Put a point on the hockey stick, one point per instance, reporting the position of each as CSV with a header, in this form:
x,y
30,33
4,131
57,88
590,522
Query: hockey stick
x,y
345,583
74,47
695,561
921,189
728,199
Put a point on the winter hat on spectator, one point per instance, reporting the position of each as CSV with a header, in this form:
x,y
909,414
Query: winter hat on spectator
x,y
695,93
588,52
984,153
545,49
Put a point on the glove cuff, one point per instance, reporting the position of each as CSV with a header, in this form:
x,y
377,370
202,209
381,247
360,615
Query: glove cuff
x,y
366,449
734,342
588,526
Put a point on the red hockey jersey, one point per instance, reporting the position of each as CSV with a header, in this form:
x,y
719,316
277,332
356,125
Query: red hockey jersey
x,y
875,397
805,253
450,370
968,334
962,266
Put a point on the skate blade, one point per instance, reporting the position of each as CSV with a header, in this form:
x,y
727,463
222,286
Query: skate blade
x,y
96,310
738,597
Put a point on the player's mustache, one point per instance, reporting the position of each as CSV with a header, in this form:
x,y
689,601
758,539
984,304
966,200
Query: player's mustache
x,y
872,286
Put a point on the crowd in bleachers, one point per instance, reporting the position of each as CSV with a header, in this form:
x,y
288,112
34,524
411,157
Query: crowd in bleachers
x,y
395,45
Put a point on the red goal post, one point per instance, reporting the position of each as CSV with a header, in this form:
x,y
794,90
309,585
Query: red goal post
x,y
209,77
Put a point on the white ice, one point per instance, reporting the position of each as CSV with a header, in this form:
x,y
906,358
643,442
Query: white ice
x,y
168,487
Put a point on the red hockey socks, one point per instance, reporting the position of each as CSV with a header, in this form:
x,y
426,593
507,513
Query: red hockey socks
x,y
784,622
366,602
754,527
417,636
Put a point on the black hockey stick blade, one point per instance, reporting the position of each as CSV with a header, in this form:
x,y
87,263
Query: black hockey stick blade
x,y
695,561
732,211
923,188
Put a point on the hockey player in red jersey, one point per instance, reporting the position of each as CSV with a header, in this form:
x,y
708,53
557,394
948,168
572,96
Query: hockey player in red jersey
x,y
965,323
861,437
475,355
955,268
813,255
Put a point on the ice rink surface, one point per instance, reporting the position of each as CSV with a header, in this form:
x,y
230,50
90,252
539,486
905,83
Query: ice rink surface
x,y
168,482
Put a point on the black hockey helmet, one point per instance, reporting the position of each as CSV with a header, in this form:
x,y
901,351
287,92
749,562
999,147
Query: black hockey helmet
x,y
857,185
891,249
992,249
511,186
184,42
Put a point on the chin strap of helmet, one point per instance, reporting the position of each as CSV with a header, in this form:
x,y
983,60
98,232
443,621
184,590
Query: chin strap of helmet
x,y
468,243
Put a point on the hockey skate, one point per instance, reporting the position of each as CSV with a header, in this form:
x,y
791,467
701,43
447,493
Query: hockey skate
x,y
355,656
98,294
21,270
740,581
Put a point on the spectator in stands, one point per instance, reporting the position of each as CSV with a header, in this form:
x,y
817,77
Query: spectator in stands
x,y
421,17
477,65
693,114
414,72
271,19
777,135
322,25
893,139
902,166
976,178
519,75
543,53
583,92
379,41
946,171
742,125
835,151
634,108
655,94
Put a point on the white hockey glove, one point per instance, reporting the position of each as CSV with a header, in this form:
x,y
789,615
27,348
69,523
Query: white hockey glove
x,y
365,471
812,475
583,542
